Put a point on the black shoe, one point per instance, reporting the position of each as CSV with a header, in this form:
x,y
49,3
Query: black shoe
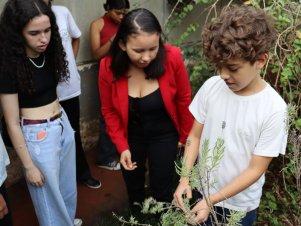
x,y
92,183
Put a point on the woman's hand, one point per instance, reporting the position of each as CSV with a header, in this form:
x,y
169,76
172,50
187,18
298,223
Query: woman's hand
x,y
182,189
3,207
34,176
200,212
126,160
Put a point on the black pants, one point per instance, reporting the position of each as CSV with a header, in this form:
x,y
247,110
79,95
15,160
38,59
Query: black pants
x,y
72,110
106,150
161,153
7,220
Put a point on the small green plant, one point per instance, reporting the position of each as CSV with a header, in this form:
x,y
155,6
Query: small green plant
x,y
174,216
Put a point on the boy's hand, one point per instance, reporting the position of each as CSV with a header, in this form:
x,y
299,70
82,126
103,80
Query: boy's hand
x,y
3,207
182,189
126,160
200,212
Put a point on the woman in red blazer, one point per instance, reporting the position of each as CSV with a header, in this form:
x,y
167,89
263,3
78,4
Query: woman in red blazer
x,y
145,94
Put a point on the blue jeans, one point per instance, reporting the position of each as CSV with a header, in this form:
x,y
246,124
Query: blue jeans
x,y
223,213
51,146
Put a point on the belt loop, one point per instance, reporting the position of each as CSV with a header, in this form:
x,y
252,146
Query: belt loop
x,y
21,121
48,123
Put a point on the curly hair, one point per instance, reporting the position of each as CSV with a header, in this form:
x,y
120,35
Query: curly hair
x,y
136,21
13,59
240,32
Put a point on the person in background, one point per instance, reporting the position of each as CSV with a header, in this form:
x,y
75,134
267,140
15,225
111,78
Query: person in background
x,y
145,94
32,62
5,211
240,108
68,92
102,33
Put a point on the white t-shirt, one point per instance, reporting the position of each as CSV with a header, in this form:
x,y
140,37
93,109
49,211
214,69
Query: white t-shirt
x,y
249,125
4,161
68,30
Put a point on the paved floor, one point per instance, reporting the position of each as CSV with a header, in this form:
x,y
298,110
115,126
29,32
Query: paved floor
x,y
92,203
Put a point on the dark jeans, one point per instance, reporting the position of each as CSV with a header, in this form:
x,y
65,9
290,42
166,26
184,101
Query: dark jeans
x,y
161,153
72,110
223,213
7,220
106,150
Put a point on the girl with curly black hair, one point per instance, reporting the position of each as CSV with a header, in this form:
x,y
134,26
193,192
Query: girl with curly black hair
x,y
32,62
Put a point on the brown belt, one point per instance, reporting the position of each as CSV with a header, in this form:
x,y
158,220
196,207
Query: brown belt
x,y
40,121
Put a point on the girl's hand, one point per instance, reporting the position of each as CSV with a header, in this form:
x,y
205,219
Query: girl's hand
x,y
126,160
34,176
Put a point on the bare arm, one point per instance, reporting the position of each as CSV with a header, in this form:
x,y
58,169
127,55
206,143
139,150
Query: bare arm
x,y
97,50
75,46
255,170
190,155
10,107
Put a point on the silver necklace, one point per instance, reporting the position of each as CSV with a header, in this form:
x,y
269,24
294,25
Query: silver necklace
x,y
37,66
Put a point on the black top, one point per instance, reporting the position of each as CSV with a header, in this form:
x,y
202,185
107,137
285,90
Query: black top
x,y
44,85
148,116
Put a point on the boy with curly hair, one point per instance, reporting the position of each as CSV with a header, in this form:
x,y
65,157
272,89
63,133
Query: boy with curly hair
x,y
239,107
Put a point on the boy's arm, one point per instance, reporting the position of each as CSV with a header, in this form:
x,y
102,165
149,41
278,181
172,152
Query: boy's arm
x,y
255,170
190,155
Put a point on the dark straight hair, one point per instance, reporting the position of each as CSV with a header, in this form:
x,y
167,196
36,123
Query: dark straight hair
x,y
136,21
116,4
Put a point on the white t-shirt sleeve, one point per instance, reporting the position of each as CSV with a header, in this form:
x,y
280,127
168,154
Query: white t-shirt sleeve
x,y
72,26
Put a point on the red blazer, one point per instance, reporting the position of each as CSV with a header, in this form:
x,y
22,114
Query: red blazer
x,y
174,87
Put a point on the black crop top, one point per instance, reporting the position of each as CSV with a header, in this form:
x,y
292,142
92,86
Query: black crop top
x,y
44,84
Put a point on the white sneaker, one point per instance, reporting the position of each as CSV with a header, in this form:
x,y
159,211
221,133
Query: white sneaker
x,y
77,222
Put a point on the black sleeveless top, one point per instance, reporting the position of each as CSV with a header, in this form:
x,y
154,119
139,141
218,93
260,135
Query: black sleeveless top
x,y
148,116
